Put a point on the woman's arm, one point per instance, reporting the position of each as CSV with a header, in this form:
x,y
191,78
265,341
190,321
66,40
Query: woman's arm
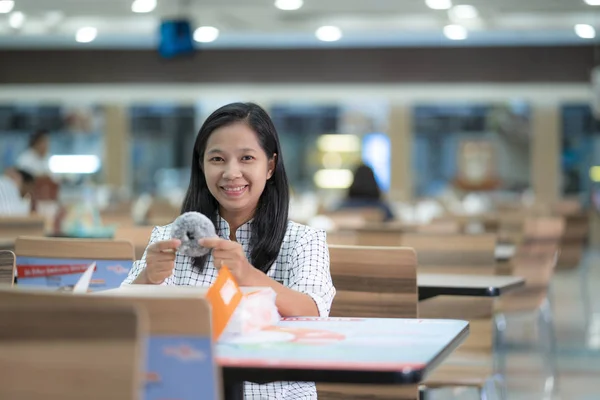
x,y
289,302
309,290
310,274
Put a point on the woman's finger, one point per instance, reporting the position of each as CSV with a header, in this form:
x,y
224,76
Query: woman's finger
x,y
165,246
162,257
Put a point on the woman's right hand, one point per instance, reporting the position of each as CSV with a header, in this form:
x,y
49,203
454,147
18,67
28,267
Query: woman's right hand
x,y
160,261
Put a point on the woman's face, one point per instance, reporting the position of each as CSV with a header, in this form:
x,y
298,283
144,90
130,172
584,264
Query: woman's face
x,y
236,168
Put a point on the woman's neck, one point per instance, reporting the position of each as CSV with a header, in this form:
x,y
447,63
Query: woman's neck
x,y
235,220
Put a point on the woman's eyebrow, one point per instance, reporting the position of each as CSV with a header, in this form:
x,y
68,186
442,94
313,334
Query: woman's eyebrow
x,y
242,150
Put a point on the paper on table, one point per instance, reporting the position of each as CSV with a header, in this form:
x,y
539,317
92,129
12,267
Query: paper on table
x,y
83,283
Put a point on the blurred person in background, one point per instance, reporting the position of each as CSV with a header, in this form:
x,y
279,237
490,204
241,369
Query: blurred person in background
x,y
35,159
15,186
365,193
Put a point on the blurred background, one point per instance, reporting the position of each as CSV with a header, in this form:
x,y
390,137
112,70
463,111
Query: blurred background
x,y
463,102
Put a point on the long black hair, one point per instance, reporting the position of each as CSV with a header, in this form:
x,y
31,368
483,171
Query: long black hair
x,y
365,185
271,217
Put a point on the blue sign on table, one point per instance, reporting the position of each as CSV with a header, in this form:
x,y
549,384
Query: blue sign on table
x,y
64,273
180,368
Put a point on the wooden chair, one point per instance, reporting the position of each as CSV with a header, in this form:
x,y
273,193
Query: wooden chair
x,y
574,240
350,218
161,212
13,227
440,227
536,260
7,268
372,282
453,254
59,263
179,328
139,236
471,365
70,351
371,234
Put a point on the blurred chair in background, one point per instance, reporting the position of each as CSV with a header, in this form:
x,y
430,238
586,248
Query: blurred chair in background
x,y
139,236
7,267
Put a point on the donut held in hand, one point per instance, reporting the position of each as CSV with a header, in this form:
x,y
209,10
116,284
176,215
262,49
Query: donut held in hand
x,y
189,228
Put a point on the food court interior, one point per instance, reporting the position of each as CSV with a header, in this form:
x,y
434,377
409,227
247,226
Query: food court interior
x,y
477,122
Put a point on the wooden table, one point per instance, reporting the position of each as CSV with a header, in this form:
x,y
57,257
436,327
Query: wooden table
x,y
7,243
431,285
339,350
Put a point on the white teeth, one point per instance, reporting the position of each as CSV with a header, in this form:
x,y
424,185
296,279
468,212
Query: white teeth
x,y
237,189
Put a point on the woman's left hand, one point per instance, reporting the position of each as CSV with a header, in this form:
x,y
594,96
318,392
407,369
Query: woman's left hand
x,y
230,254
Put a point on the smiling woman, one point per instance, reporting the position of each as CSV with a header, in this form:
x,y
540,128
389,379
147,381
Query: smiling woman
x,y
239,182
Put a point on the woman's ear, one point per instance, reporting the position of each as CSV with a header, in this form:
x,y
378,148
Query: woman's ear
x,y
271,166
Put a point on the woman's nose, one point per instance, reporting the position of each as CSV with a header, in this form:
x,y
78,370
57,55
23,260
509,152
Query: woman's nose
x,y
232,171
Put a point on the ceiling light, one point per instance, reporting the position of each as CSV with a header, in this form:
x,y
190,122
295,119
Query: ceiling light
x,y
585,31
54,17
593,2
338,143
455,32
6,6
595,173
288,5
329,33
16,19
464,12
439,4
86,35
74,164
206,34
333,178
143,6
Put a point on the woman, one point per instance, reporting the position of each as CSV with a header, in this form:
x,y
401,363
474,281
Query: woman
x,y
35,159
238,180
365,193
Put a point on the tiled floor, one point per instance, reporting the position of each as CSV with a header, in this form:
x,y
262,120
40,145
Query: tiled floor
x,y
577,324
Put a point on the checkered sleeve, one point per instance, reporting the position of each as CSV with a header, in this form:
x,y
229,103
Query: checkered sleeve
x,y
310,273
158,233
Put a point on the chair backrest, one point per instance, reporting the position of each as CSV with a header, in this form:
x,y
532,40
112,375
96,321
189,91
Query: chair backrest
x,y
440,227
372,282
179,327
536,229
537,255
7,267
70,351
355,217
376,282
139,236
453,254
386,234
458,254
161,212
60,263
13,227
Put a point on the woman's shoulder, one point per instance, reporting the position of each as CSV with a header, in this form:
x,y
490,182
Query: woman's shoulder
x,y
298,234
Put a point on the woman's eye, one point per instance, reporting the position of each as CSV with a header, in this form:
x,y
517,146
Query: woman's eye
x,y
247,158
216,159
